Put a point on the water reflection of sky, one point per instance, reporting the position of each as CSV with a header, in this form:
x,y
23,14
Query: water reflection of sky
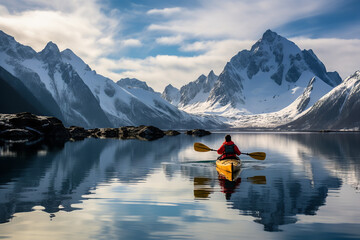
x,y
110,189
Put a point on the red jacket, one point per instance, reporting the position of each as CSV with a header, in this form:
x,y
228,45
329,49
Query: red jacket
x,y
221,150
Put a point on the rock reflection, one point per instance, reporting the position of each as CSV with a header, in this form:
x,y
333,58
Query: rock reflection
x,y
62,177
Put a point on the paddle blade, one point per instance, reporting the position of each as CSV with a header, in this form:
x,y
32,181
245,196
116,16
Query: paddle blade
x,y
257,155
199,147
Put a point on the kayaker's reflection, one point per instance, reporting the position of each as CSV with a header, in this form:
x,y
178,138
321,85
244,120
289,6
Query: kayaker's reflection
x,y
228,187
203,186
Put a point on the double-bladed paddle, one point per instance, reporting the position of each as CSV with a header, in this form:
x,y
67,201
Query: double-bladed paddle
x,y
199,147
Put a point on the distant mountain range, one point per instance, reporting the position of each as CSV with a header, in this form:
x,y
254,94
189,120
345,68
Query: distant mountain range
x,y
63,85
268,86
275,84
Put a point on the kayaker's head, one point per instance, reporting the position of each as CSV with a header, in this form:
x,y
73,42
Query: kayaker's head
x,y
228,138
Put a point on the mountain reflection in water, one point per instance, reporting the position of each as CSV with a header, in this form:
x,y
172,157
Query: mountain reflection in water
x,y
295,179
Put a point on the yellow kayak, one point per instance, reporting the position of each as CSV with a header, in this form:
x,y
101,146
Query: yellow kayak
x,y
231,176
229,165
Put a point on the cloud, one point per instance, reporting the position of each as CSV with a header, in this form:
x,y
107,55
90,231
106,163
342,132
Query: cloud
x,y
164,11
341,55
238,19
170,40
161,70
212,30
132,43
78,25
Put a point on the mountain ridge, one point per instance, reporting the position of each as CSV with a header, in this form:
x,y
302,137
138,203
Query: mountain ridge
x,y
80,96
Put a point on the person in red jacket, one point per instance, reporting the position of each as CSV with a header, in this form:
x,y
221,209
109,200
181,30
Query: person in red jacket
x,y
228,149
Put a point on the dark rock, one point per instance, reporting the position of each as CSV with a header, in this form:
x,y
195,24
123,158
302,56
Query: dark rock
x,y
171,133
78,133
108,133
26,127
149,133
29,127
104,132
198,132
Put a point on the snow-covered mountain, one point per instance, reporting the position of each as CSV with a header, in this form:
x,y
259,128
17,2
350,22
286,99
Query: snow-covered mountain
x,y
171,94
192,93
338,109
271,83
133,83
79,96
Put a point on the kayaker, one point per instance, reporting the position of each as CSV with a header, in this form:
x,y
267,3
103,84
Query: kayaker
x,y
228,149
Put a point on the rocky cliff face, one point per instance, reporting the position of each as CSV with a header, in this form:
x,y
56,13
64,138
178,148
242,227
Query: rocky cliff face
x,y
339,109
77,95
266,78
133,83
272,63
171,94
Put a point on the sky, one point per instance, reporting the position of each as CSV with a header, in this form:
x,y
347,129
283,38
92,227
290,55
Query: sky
x,y
175,41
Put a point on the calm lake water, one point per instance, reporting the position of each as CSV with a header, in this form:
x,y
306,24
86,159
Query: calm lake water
x,y
308,186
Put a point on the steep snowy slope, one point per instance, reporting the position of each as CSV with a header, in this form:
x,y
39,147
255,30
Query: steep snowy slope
x,y
338,109
52,82
136,104
79,96
12,54
265,79
268,80
133,83
171,94
314,91
15,97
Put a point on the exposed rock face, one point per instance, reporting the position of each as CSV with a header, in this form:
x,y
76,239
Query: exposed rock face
x,y
133,83
198,132
172,133
339,109
27,127
78,133
22,127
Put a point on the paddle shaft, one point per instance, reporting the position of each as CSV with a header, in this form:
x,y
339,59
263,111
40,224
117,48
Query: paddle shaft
x,y
203,148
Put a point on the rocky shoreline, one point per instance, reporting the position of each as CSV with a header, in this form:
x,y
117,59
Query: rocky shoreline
x,y
27,128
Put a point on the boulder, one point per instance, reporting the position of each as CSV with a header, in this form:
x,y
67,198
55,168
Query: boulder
x,y
29,127
198,132
171,133
149,133
78,133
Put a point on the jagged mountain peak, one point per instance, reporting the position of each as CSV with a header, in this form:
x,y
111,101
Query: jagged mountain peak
x,y
69,56
338,109
134,83
50,53
271,41
269,36
4,36
356,76
171,94
13,48
51,47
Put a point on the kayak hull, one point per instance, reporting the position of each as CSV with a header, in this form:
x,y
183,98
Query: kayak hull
x,y
230,176
229,165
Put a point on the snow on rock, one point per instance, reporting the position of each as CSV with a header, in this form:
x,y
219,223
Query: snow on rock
x,y
171,94
79,96
338,109
133,83
269,84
